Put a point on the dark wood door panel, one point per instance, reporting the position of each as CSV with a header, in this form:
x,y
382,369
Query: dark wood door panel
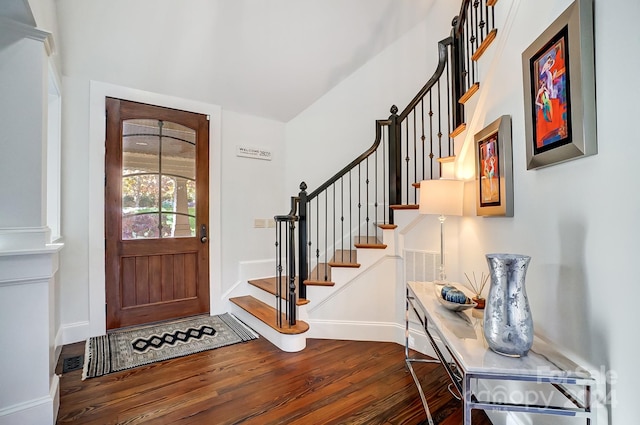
x,y
159,271
158,278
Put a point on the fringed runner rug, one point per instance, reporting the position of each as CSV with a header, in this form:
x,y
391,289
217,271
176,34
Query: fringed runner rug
x,y
132,347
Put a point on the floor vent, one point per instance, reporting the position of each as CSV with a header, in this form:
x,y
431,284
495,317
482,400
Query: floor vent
x,y
72,363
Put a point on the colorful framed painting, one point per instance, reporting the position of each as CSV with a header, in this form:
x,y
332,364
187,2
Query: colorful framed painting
x,y
559,89
494,169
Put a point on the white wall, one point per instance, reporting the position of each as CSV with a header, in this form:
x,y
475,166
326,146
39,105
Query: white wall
x,y
340,125
577,220
252,189
238,193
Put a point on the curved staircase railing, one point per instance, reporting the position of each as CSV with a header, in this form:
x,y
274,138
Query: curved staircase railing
x,y
351,208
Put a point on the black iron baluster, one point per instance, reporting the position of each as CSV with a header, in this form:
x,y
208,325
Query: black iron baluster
x,y
407,159
350,208
278,272
439,121
482,23
367,199
375,188
318,238
467,55
342,215
422,137
431,155
359,201
450,123
334,221
415,156
326,236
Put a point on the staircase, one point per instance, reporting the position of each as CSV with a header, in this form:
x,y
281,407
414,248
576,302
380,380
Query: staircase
x,y
349,224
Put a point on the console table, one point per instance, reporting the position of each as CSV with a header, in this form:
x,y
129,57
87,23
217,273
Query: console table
x,y
458,341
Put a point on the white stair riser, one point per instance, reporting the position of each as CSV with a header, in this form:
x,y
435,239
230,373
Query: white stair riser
x,y
285,342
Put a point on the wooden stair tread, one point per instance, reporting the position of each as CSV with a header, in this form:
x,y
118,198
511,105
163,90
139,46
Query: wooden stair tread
x,y
267,314
387,226
345,258
320,276
368,242
312,282
469,93
405,207
269,284
459,129
485,44
447,159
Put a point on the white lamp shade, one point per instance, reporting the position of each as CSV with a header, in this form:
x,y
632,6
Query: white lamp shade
x,y
441,197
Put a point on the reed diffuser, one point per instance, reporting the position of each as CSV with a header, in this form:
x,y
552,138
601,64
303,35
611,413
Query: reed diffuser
x,y
477,288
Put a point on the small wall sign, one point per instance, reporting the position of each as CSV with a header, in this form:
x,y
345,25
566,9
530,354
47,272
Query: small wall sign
x,y
253,152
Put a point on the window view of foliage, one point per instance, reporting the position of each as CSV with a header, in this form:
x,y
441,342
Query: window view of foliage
x,y
143,201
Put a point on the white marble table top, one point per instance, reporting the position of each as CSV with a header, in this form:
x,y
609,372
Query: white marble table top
x,y
462,333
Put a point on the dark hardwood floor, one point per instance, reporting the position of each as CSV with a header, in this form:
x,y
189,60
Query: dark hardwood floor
x,y
330,382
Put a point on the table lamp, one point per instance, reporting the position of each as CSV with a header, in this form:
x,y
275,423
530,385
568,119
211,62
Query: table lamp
x,y
441,197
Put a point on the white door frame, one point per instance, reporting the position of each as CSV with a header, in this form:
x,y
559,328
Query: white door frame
x,y
97,137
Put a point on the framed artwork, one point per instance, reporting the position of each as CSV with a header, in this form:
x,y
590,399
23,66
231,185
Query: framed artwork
x,y
494,169
559,89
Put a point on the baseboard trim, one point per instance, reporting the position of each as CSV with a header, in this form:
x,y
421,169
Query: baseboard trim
x,y
370,331
42,410
75,332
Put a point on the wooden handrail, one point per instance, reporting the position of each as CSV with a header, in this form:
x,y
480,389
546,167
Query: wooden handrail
x,y
352,164
462,16
442,62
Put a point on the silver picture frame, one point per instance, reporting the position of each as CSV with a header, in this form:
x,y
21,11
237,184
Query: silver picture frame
x,y
494,169
559,90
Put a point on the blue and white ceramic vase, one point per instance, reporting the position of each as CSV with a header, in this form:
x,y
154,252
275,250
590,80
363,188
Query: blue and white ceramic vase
x,y
508,325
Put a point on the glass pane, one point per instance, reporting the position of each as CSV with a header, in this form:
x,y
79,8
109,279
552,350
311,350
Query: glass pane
x,y
140,146
178,131
139,196
191,197
140,226
168,193
178,158
178,226
158,184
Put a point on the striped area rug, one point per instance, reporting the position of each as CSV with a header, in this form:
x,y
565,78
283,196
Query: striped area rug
x,y
132,347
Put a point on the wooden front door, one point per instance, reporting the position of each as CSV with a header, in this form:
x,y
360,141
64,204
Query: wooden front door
x,y
156,213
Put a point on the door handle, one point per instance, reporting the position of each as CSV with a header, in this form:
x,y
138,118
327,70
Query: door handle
x,y
203,234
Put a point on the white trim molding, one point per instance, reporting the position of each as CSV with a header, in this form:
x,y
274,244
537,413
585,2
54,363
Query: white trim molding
x,y
27,31
97,135
28,302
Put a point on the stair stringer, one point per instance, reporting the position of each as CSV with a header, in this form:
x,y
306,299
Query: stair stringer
x,y
368,303
475,109
357,307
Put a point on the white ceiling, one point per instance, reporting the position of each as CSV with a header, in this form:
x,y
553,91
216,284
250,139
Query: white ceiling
x,y
17,10
270,58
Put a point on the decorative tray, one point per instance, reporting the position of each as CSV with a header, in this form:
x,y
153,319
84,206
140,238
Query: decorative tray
x,y
453,306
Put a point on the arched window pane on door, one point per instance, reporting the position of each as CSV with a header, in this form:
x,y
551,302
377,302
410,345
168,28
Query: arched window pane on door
x,y
158,180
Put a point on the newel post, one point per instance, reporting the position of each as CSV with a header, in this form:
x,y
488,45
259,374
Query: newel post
x,y
458,74
395,162
303,240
